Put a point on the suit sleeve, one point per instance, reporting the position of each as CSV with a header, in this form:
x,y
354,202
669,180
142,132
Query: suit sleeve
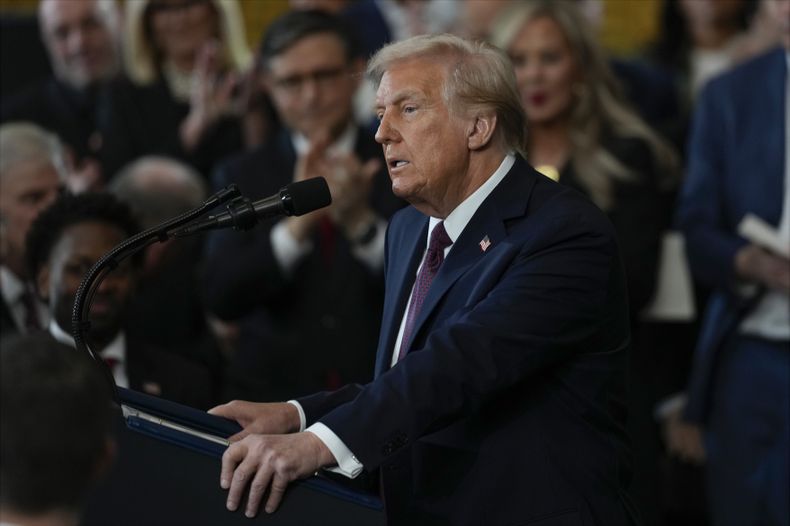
x,y
542,302
710,243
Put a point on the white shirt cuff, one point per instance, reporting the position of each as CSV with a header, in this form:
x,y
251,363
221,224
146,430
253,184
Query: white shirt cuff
x,y
347,463
302,418
666,407
287,250
372,253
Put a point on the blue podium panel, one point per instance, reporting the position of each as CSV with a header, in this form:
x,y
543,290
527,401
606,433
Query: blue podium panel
x,y
161,478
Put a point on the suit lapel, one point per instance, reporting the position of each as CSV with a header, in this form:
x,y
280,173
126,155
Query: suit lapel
x,y
408,245
508,200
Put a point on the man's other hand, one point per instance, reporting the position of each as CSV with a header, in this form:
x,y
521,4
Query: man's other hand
x,y
270,462
265,419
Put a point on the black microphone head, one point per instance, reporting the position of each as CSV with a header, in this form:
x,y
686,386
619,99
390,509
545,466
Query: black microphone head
x,y
305,196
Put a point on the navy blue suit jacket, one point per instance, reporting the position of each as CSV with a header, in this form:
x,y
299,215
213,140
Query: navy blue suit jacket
x,y
509,407
735,166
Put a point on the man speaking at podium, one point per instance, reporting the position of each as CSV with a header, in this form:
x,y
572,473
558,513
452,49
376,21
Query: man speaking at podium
x,y
498,395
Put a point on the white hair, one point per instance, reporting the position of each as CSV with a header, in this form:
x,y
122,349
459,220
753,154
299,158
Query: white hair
x,y
25,142
480,78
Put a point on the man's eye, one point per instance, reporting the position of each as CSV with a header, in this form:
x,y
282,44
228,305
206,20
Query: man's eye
x,y
409,109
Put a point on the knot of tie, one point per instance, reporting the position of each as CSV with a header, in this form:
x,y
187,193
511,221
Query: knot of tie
x,y
439,241
111,363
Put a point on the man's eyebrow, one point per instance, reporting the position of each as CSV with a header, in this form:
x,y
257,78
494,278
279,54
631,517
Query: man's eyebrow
x,y
400,97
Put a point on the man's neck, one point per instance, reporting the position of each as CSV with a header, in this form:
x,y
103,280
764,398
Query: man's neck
x,y
482,165
50,518
712,36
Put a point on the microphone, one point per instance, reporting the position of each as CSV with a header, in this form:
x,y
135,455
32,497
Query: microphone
x,y
294,199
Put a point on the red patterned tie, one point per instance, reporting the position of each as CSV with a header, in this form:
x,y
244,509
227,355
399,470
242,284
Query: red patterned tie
x,y
430,266
111,363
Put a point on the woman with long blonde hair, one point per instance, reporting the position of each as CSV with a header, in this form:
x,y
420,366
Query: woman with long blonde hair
x,y
184,60
582,132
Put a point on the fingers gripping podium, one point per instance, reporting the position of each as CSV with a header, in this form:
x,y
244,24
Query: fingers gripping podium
x,y
167,470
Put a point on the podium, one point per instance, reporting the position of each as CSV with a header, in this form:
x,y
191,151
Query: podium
x,y
166,473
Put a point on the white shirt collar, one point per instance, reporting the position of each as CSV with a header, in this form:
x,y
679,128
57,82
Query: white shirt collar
x,y
343,145
116,350
11,286
457,220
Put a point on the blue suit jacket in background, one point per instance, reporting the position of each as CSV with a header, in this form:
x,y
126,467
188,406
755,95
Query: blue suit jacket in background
x,y
735,166
509,407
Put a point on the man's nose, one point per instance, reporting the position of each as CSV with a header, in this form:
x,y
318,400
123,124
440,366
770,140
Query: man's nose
x,y
385,132
76,40
309,88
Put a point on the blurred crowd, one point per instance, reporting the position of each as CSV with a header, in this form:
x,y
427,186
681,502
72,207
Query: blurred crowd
x,y
154,105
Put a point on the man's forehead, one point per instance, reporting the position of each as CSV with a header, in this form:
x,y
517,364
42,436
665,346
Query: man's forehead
x,y
409,81
55,12
30,174
321,49
387,94
84,236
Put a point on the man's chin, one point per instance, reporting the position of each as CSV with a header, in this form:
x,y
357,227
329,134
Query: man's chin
x,y
105,326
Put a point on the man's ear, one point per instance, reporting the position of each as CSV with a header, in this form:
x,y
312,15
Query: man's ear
x,y
42,283
482,130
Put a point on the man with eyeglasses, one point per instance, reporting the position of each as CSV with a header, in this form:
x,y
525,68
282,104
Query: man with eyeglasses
x,y
306,290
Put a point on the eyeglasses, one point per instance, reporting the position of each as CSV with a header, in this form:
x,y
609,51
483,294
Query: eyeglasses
x,y
322,78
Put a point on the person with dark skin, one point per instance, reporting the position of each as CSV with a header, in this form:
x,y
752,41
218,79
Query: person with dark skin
x,y
65,241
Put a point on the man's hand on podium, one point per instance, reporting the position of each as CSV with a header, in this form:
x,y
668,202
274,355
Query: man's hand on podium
x,y
270,462
259,418
268,451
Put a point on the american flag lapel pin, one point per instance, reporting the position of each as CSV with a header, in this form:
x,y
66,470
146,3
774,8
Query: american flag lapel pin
x,y
485,243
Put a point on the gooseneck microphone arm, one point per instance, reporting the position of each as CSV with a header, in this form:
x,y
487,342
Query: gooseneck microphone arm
x,y
295,199
80,321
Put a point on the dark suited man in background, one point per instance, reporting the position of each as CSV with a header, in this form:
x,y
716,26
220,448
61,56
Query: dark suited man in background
x,y
32,174
499,389
738,392
82,41
56,431
167,305
309,288
65,241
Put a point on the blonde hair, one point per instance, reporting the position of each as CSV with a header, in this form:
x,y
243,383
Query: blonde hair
x,y
598,105
140,57
481,79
